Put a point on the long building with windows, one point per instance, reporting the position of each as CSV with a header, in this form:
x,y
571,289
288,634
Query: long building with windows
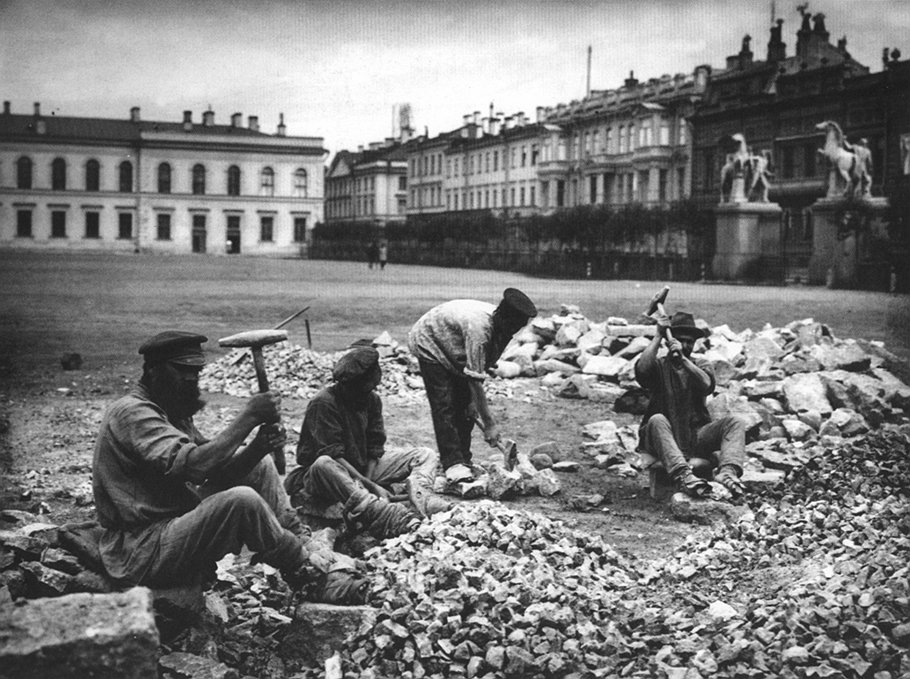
x,y
368,185
152,186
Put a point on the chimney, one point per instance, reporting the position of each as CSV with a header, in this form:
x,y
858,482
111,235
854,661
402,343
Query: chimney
x,y
520,119
236,120
494,126
253,123
485,125
360,148
745,52
187,121
476,117
134,115
540,115
507,123
842,45
282,128
37,109
884,56
208,118
777,48
6,108
631,81
466,119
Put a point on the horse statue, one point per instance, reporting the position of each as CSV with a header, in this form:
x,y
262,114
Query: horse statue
x,y
760,173
844,176
737,166
863,165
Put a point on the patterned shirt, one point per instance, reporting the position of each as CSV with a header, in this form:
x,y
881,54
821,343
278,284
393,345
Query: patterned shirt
x,y
333,427
456,335
141,478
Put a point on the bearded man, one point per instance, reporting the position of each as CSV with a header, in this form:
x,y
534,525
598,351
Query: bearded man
x,y
173,502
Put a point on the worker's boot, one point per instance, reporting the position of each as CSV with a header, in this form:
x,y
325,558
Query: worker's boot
x,y
728,476
378,516
690,484
424,501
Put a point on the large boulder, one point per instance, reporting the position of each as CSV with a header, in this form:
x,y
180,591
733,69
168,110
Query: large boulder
x,y
81,635
763,347
608,367
844,356
806,391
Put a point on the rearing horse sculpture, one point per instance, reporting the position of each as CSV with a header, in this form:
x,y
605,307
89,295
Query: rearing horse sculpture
x,y
738,165
845,174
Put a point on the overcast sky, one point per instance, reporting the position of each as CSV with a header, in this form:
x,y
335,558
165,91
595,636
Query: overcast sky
x,y
337,68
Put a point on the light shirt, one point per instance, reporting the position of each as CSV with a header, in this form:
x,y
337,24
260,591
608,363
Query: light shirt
x,y
456,335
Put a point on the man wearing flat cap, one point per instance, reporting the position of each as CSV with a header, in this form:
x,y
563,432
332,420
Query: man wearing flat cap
x,y
173,502
343,458
676,429
455,344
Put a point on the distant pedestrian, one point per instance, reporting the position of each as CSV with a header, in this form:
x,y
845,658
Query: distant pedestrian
x,y
383,254
372,254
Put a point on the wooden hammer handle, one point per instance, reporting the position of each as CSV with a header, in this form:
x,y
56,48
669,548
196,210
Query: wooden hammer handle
x,y
667,334
263,379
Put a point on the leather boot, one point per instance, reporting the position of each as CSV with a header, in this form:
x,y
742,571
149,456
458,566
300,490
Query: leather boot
x,y
383,519
425,502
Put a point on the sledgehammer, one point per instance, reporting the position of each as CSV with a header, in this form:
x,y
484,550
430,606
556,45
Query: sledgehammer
x,y
508,447
657,304
255,340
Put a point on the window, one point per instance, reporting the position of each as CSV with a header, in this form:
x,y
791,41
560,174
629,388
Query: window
x,y
299,229
125,225
198,180
592,193
300,183
524,156
58,224
608,140
58,174
560,193
533,200
92,175
233,181
664,133
24,174
93,224
514,156
164,178
631,132
623,147
495,161
521,194
23,223
535,154
402,183
126,177
164,226
266,227
267,183
682,133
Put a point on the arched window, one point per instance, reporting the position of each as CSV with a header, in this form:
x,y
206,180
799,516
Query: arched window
x,y
300,183
164,178
24,173
267,184
58,174
198,179
93,175
126,177
233,181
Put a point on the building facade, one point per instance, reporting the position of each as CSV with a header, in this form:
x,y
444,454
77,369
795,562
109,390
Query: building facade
x,y
368,186
777,104
135,185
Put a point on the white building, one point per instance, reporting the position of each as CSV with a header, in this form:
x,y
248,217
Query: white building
x,y
135,185
368,186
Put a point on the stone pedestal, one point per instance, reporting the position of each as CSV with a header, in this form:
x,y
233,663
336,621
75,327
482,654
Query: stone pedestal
x,y
745,232
836,251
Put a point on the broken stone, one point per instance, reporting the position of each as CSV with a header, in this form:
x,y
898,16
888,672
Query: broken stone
x,y
762,348
567,466
44,581
806,392
605,366
115,637
507,369
846,356
541,460
703,511
797,430
634,348
189,666
547,483
552,365
722,611
550,448
318,629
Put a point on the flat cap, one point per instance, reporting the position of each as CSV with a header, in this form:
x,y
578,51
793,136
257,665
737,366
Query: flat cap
x,y
357,363
175,346
515,302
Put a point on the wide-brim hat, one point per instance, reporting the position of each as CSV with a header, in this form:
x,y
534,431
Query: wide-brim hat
x,y
682,324
175,346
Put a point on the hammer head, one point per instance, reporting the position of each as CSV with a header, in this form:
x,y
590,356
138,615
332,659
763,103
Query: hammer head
x,y
510,453
658,299
254,338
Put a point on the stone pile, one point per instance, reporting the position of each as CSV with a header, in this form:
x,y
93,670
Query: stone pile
x,y
484,590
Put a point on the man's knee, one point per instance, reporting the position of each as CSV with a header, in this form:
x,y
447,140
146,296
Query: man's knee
x,y
326,467
239,501
423,455
657,423
733,424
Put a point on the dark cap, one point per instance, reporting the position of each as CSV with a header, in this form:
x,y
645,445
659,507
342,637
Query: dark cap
x,y
683,325
175,346
357,363
516,303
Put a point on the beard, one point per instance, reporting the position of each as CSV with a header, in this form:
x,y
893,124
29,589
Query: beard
x,y
179,400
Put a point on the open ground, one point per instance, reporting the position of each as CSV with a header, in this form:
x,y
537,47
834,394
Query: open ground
x,y
103,306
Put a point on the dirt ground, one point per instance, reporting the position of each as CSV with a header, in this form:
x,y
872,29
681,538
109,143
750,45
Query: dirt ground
x,y
103,306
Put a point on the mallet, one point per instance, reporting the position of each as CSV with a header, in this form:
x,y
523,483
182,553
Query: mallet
x,y
657,304
254,340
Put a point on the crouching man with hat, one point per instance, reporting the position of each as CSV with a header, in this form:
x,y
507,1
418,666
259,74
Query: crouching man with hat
x,y
173,502
676,429
455,344
342,455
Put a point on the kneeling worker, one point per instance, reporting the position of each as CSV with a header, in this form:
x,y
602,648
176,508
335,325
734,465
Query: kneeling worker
x,y
342,455
172,502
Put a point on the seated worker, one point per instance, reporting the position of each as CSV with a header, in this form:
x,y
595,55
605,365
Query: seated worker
x,y
455,344
172,502
676,426
342,455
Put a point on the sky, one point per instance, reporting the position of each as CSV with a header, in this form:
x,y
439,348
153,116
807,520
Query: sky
x,y
338,69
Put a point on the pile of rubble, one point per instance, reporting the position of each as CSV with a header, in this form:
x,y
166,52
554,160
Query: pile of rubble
x,y
812,583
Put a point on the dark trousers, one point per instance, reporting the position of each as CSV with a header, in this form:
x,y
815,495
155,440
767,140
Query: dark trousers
x,y
450,406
